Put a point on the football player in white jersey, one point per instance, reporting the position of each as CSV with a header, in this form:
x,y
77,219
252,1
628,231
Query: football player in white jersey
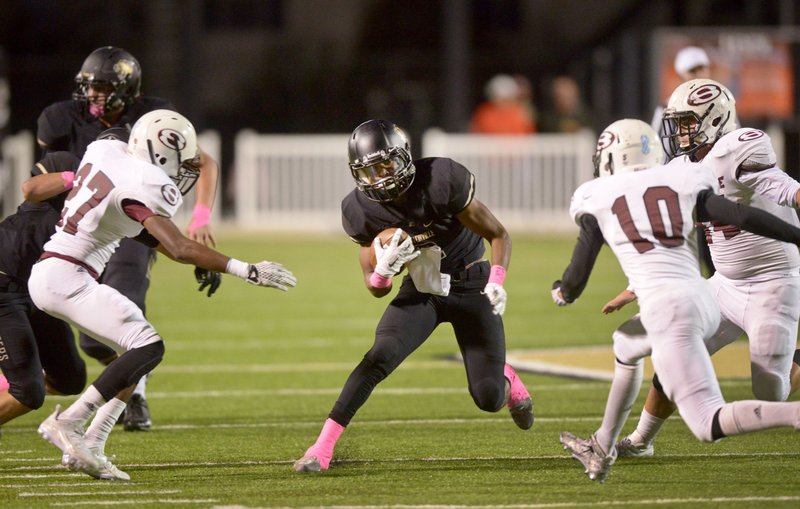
x,y
645,212
757,280
120,190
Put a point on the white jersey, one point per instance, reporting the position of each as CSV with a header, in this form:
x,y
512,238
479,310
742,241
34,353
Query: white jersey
x,y
737,160
646,218
93,220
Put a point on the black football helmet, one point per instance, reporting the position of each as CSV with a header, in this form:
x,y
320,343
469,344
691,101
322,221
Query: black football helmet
x,y
110,66
380,160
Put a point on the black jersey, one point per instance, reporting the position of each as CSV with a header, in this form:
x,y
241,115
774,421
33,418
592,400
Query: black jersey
x,y
23,233
66,125
441,189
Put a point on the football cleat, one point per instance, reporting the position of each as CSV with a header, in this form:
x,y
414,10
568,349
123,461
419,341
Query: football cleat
x,y
68,436
627,449
520,404
137,414
314,460
107,471
596,462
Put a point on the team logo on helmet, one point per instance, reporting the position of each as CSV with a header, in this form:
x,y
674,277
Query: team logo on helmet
x,y
123,68
751,134
605,140
704,94
172,139
170,193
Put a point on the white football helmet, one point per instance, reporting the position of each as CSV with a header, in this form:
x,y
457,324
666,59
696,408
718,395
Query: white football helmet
x,y
168,140
627,145
698,113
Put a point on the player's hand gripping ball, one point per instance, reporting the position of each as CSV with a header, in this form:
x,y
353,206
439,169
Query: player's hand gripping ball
x,y
391,250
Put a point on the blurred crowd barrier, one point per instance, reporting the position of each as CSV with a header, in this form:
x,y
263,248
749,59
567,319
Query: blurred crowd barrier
x,y
296,182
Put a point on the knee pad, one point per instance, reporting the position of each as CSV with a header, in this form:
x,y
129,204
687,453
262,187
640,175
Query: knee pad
x,y
128,369
29,391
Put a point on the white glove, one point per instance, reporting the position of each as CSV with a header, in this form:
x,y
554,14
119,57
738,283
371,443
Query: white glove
x,y
270,274
497,296
390,259
558,297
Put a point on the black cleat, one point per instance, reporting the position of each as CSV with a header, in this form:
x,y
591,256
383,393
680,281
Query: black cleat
x,y
137,414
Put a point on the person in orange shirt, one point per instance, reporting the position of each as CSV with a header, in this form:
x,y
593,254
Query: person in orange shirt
x,y
504,111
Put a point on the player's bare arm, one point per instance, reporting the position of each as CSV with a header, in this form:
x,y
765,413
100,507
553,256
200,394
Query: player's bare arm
x,y
199,229
45,186
478,218
622,299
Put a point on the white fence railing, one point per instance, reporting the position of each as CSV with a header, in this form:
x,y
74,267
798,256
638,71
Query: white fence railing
x,y
527,181
298,182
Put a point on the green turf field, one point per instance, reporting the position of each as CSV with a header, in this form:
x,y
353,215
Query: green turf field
x,y
250,375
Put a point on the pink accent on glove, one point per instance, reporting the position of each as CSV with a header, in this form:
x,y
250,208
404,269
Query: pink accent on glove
x,y
4,383
201,216
69,179
378,281
497,274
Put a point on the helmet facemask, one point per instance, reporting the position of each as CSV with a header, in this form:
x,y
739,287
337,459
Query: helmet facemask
x,y
380,160
699,112
384,176
115,71
168,140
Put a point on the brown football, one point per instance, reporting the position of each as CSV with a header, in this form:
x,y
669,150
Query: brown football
x,y
386,237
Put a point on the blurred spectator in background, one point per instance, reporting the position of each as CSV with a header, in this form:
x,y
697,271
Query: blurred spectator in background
x,y
567,113
691,63
507,109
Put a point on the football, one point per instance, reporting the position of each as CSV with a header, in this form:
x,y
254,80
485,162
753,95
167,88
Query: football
x,y
385,237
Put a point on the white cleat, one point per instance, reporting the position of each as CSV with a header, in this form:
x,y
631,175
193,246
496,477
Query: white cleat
x,y
596,462
107,471
626,448
68,436
307,464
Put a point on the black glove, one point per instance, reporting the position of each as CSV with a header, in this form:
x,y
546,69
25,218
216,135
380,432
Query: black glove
x,y
207,278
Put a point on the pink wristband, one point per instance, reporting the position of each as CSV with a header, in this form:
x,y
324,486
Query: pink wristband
x,y
69,179
201,216
497,274
378,281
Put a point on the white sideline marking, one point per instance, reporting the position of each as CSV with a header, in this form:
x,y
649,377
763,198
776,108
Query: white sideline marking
x,y
609,503
158,501
93,493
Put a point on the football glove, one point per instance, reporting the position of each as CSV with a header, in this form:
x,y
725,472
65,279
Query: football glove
x,y
271,274
208,279
558,297
390,259
497,296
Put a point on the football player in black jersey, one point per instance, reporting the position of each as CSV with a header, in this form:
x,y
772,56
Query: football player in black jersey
x,y
108,94
37,352
431,199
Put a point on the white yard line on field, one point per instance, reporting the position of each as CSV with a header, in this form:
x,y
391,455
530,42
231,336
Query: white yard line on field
x,y
555,505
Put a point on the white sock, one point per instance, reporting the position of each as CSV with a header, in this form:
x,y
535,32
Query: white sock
x,y
101,426
624,389
746,416
83,409
140,386
647,428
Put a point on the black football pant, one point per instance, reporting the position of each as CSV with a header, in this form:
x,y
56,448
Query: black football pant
x,y
32,341
128,272
411,318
